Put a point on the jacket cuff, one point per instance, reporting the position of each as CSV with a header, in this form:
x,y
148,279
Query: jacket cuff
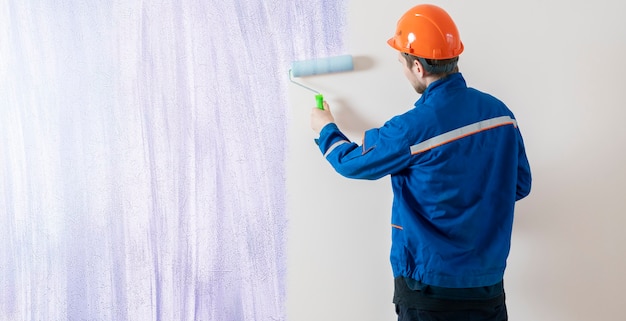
x,y
329,135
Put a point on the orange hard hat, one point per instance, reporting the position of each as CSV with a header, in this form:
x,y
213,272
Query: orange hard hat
x,y
427,31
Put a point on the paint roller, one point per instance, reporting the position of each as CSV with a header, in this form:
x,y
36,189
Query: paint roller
x,y
317,67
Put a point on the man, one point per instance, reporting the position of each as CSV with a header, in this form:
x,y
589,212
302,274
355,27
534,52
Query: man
x,y
457,164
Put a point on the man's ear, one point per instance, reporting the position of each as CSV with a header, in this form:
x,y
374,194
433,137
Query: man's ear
x,y
419,68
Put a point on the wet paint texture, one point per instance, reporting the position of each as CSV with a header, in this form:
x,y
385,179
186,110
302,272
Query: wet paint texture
x,y
142,150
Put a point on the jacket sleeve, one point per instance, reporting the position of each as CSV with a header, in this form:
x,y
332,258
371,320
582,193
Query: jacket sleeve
x,y
524,178
384,151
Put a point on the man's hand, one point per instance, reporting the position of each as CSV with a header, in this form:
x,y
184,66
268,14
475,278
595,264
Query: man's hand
x,y
321,118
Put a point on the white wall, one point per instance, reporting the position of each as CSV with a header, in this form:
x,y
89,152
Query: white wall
x,y
558,65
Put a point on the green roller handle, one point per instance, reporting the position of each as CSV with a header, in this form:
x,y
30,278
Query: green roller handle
x,y
320,101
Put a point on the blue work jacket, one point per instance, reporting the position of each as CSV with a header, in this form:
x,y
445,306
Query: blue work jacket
x,y
458,165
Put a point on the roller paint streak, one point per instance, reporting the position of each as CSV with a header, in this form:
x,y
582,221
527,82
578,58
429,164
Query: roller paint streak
x,y
126,170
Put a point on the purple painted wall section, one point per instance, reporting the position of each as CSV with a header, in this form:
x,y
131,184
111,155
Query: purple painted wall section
x,y
142,150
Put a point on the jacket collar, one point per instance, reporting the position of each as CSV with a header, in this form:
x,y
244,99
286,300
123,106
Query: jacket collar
x,y
442,85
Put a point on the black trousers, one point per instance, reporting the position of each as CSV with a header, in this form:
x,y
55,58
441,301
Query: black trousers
x,y
497,313
421,302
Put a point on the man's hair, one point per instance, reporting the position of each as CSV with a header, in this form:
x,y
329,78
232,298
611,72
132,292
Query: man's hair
x,y
442,67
